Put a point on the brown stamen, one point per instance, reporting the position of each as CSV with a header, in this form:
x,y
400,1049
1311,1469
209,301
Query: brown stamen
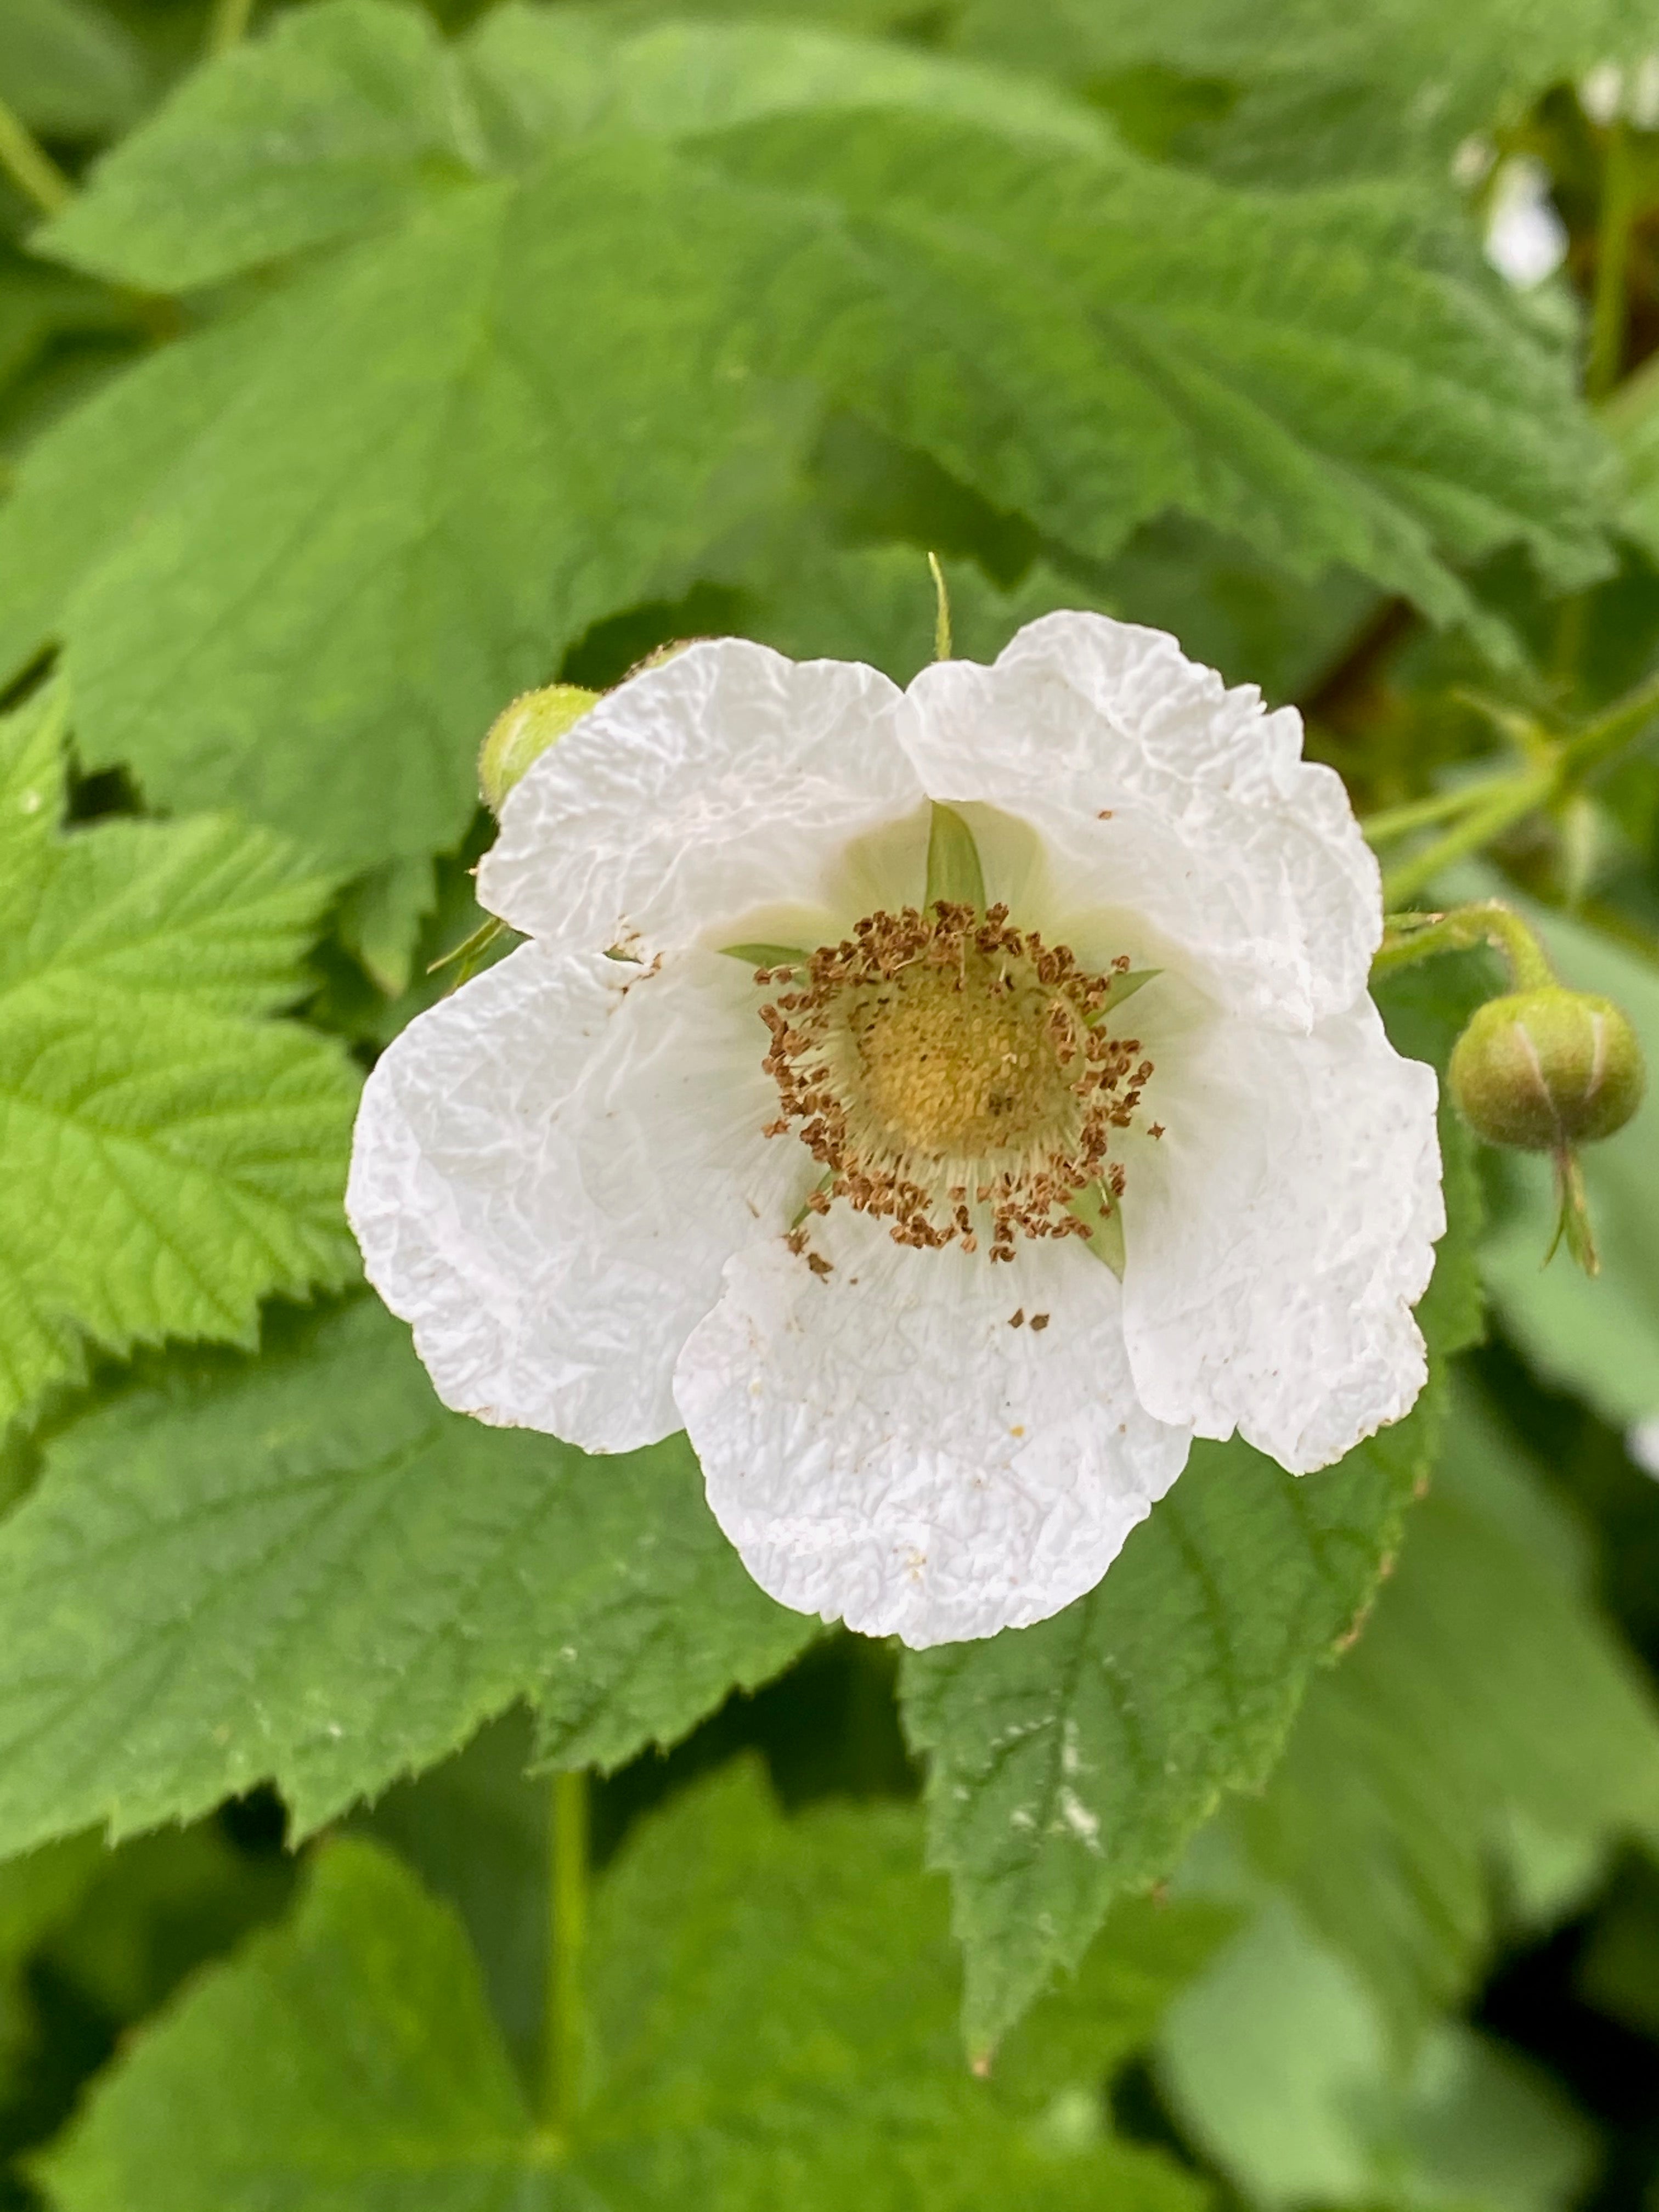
x,y
925,1058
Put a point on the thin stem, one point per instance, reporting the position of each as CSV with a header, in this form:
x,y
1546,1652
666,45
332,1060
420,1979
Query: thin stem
x,y
1613,236
1409,938
1627,718
1511,802
1483,809
29,165
562,2029
227,25
1392,822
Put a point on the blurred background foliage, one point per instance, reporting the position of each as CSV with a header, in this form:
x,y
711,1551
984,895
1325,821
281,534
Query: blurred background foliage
x,y
1284,409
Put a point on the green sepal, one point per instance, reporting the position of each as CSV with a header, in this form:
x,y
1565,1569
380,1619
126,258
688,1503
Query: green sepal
x,y
1103,1218
766,955
954,873
1124,987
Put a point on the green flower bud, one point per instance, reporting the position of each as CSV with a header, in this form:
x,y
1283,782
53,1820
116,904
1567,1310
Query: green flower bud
x,y
1547,1069
522,732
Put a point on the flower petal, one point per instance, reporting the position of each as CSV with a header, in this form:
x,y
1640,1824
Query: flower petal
x,y
884,1447
1280,1232
549,1173
1159,793
724,782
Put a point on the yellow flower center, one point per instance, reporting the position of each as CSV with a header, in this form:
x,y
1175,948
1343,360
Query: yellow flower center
x,y
955,1076
961,1061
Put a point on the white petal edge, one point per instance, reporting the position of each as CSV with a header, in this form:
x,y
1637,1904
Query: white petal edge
x,y
549,1172
1165,797
885,1448
1279,1233
727,781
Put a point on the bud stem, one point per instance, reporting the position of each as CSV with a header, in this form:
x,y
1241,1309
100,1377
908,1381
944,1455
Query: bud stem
x,y
1409,938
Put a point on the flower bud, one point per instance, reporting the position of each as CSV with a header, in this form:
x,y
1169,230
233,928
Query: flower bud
x,y
521,732
1547,1069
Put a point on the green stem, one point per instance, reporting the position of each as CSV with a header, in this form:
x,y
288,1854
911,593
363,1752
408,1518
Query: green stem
x,y
29,165
1628,717
1511,801
1409,938
563,2027
227,25
1618,214
1392,822
1483,809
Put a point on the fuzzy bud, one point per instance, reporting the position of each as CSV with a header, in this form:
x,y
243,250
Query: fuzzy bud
x,y
1546,1069
524,730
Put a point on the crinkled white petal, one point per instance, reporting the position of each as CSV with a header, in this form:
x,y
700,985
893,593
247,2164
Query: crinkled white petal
x,y
549,1173
1163,797
883,1446
1280,1232
727,781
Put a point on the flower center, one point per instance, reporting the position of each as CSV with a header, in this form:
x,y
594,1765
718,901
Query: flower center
x,y
954,1074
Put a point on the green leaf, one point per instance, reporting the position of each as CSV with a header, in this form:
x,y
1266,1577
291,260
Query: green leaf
x,y
1071,1762
1279,2068
343,2063
302,556
799,589
172,1159
347,115
39,305
1160,343
1486,1693
152,1912
303,1570
1618,1970
772,2009
380,919
775,2014
336,124
1310,90
322,544
69,69
38,1893
476,1831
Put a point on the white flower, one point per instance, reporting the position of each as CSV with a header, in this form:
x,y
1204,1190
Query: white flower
x,y
831,1221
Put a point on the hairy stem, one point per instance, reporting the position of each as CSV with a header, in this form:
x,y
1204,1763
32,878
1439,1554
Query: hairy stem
x,y
1409,938
29,165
